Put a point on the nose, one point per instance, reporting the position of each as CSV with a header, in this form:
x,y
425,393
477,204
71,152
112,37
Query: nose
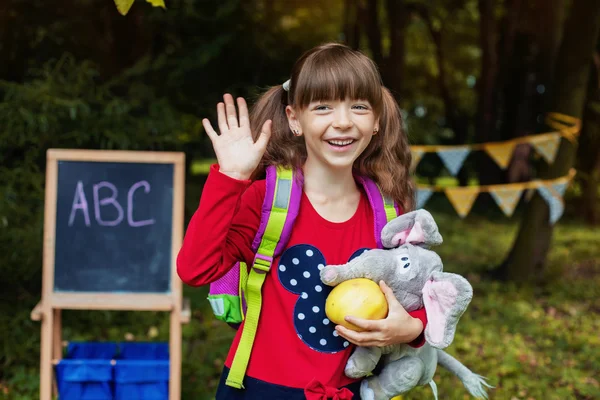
x,y
342,119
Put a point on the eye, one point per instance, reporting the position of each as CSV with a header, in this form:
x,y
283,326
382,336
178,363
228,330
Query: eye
x,y
321,107
360,107
403,263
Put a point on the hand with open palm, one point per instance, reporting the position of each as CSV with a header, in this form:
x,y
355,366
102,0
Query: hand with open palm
x,y
237,153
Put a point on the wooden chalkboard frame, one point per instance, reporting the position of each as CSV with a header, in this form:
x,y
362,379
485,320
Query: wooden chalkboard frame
x,y
48,310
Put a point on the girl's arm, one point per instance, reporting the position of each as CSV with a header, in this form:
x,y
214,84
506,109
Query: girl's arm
x,y
421,315
221,231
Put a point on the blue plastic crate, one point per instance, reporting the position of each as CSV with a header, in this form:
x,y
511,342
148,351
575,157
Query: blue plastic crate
x,y
143,351
141,371
91,350
85,379
142,380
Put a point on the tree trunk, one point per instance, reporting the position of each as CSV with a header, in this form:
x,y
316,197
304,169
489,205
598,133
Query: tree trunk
x,y
351,23
588,151
394,65
486,131
371,15
525,90
456,119
527,258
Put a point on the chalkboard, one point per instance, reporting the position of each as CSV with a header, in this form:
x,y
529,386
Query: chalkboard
x,y
113,228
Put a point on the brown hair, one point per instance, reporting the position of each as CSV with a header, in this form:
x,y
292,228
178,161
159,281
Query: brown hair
x,y
336,72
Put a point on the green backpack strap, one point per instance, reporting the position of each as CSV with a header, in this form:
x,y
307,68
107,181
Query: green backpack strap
x,y
273,234
389,206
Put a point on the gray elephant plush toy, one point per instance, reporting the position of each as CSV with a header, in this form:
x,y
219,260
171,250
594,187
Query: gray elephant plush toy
x,y
415,275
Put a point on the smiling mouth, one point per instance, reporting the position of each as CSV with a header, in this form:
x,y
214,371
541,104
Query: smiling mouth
x,y
341,143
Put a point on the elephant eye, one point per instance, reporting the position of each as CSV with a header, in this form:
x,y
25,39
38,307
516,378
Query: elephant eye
x,y
403,264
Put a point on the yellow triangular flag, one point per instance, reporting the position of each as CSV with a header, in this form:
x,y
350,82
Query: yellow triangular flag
x,y
123,6
529,194
417,154
546,145
462,198
500,152
568,126
507,197
157,3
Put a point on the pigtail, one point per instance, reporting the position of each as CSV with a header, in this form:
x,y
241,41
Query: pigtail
x,y
284,148
387,159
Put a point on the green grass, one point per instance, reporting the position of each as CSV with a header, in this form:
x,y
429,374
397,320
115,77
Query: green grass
x,y
531,342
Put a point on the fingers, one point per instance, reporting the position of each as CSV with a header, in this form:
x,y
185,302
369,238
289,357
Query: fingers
x,y
265,135
243,109
209,129
389,293
393,303
232,120
359,338
366,324
222,120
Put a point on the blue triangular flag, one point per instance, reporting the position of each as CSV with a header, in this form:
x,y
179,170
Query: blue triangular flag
x,y
554,203
422,196
560,188
454,159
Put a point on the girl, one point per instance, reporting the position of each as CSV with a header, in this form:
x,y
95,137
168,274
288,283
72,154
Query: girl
x,y
331,120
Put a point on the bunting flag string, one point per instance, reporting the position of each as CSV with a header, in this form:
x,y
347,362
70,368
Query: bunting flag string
x,y
545,144
506,196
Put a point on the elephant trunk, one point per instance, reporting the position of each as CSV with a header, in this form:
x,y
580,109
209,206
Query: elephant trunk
x,y
371,265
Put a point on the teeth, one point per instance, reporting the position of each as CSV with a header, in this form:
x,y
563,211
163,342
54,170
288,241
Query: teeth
x,y
341,142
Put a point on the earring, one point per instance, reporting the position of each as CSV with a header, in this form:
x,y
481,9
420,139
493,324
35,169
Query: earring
x,y
296,132
375,131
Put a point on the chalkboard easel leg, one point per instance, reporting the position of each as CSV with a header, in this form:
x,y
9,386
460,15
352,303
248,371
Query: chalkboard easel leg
x,y
46,354
175,355
56,343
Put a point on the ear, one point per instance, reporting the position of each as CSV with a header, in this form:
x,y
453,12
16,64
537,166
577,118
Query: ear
x,y
416,227
292,117
446,297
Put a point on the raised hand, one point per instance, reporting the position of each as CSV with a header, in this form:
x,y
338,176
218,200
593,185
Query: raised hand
x,y
237,153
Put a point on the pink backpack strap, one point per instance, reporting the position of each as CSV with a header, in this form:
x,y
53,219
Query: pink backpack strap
x,y
267,207
384,208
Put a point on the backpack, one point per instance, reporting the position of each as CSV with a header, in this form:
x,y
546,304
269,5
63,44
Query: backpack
x,y
236,296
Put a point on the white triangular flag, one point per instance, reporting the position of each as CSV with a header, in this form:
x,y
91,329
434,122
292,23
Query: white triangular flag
x,y
546,145
454,158
506,198
422,196
554,201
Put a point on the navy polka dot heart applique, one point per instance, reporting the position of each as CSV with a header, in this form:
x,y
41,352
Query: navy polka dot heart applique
x,y
298,272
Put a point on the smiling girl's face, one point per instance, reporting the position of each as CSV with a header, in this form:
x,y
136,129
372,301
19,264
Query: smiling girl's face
x,y
336,132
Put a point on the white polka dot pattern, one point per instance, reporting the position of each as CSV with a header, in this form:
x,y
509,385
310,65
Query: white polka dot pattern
x,y
298,272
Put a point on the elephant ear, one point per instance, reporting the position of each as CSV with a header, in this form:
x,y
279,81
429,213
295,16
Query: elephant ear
x,y
446,297
416,227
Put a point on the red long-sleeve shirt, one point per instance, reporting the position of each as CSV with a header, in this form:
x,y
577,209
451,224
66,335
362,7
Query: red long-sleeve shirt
x,y
294,342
